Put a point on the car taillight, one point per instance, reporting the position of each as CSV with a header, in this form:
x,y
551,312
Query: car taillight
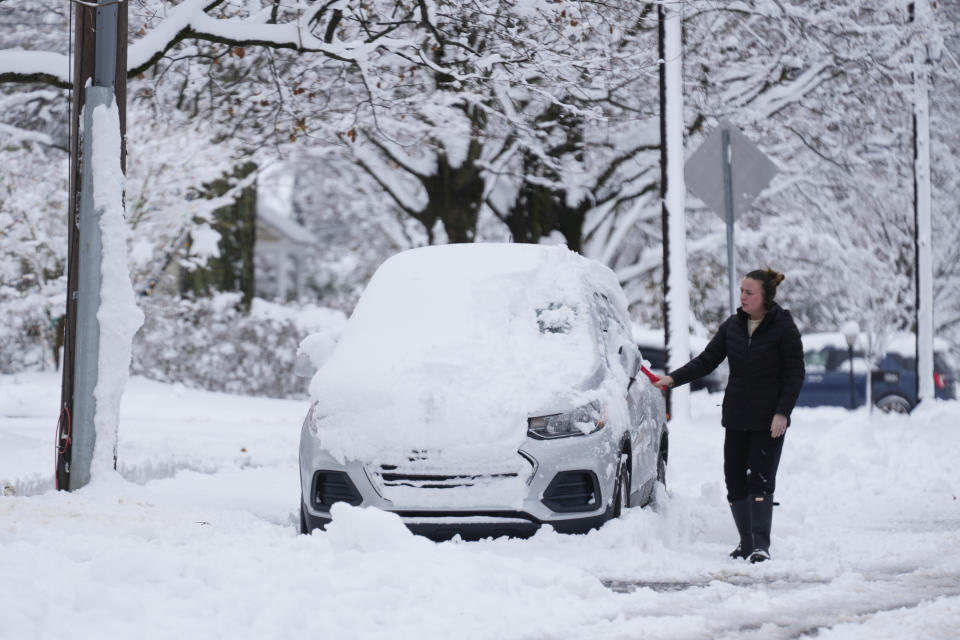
x,y
940,380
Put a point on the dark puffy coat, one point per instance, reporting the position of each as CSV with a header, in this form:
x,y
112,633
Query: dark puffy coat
x,y
766,370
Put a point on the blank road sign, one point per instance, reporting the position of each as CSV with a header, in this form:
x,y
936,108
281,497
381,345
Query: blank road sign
x,y
751,170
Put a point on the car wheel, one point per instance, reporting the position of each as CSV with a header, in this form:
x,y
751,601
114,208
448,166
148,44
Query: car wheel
x,y
894,404
621,499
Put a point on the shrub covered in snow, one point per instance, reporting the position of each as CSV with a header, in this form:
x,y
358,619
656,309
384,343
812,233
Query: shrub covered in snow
x,y
28,332
211,344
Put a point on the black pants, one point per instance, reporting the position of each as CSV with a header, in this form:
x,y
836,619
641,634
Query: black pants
x,y
750,461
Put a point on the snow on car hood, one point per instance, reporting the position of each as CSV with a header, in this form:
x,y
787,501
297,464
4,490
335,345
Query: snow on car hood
x,y
453,347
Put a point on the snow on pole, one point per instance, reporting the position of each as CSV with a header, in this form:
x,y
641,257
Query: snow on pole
x,y
678,300
118,316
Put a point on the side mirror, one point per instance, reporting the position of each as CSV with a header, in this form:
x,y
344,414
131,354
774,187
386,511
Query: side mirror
x,y
630,359
303,368
313,352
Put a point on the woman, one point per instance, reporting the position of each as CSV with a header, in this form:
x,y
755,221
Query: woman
x,y
765,354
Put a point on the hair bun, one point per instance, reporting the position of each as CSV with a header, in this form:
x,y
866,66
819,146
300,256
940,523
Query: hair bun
x,y
775,276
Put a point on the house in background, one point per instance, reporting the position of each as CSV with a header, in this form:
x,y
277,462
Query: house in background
x,y
254,246
280,251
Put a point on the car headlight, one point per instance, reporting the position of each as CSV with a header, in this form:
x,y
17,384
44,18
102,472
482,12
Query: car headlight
x,y
579,422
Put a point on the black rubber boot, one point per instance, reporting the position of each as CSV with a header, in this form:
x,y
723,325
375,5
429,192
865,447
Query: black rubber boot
x,y
741,517
761,517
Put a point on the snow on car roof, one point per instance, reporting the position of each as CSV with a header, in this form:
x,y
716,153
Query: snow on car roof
x,y
457,344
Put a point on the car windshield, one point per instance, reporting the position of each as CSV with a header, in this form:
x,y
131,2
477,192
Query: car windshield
x,y
502,319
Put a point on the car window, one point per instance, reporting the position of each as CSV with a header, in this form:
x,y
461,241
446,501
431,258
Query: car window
x,y
608,314
603,311
942,363
904,362
839,358
816,360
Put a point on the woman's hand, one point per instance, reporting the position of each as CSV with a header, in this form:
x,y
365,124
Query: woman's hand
x,y
779,425
663,383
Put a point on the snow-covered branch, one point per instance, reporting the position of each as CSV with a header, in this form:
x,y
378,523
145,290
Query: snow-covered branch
x,y
196,20
46,67
191,21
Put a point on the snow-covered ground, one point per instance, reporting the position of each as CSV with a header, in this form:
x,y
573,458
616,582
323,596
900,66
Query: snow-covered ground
x,y
197,537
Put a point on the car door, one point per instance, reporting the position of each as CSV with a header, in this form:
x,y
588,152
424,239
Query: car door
x,y
642,429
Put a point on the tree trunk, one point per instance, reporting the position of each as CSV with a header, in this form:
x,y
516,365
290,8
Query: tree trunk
x,y
232,270
455,195
540,210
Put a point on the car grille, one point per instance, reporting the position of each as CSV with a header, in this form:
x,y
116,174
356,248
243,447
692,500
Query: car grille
x,y
423,479
390,477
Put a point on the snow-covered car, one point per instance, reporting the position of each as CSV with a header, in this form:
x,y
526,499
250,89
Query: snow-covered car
x,y
484,390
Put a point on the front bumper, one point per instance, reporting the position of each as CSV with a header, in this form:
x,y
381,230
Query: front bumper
x,y
567,484
469,526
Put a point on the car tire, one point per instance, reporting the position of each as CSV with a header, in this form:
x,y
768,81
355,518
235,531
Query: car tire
x,y
893,403
621,497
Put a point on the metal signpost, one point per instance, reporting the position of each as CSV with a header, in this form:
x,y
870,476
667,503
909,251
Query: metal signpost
x,y
99,78
727,171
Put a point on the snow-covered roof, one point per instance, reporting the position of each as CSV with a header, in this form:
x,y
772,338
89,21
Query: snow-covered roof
x,y
284,227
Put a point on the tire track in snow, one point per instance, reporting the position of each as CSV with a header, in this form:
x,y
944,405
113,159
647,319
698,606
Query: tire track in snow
x,y
788,608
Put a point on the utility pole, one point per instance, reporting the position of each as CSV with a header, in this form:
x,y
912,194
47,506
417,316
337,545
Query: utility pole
x,y
99,77
923,267
676,296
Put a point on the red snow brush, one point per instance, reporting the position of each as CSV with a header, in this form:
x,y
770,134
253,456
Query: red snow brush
x,y
653,377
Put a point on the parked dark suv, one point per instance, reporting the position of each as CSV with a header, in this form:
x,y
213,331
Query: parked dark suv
x,y
893,381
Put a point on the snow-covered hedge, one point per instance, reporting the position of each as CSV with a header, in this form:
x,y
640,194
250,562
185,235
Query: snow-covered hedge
x,y
206,344
211,344
27,333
